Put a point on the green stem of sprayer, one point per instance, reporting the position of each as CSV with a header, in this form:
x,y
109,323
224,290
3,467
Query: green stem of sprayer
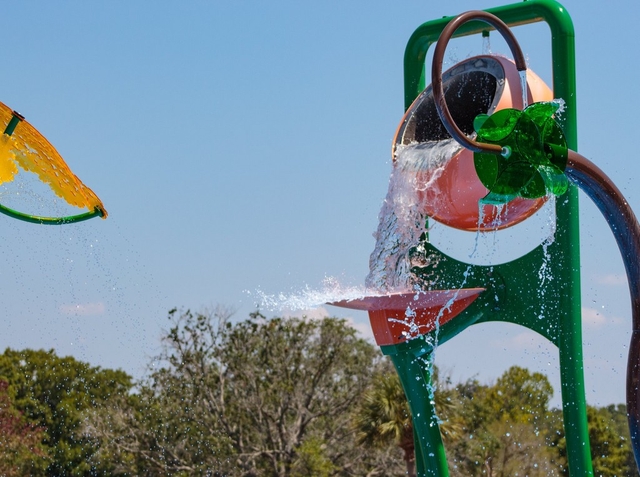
x,y
415,376
35,219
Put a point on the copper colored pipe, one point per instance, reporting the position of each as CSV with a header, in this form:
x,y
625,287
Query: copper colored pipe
x,y
626,230
436,73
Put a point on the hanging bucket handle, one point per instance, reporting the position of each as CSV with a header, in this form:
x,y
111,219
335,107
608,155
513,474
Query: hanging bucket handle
x,y
436,73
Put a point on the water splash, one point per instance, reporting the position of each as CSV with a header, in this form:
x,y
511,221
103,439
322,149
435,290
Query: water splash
x,y
413,330
402,220
308,298
562,107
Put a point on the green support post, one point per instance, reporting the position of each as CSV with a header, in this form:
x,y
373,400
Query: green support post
x,y
415,376
523,295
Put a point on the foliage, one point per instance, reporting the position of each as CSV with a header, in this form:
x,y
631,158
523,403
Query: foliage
x,y
21,449
255,397
499,430
616,416
52,393
609,450
283,397
383,418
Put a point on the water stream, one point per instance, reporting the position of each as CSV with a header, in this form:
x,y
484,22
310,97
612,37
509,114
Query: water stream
x,y
402,220
399,240
523,87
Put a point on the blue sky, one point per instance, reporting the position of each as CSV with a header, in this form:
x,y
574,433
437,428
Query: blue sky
x,y
244,146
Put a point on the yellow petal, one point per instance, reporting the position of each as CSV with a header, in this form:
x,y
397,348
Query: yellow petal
x,y
35,154
8,168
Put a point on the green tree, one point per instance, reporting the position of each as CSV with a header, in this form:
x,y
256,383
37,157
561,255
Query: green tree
x,y
52,393
618,420
609,450
268,397
158,431
505,431
383,418
21,449
521,396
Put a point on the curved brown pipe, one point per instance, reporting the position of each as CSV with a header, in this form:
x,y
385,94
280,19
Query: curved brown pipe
x,y
436,73
626,230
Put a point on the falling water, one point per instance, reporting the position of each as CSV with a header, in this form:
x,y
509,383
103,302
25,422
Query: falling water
x,y
486,43
523,87
545,274
402,220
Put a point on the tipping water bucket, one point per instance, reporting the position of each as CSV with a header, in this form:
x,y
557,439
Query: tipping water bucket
x,y
450,190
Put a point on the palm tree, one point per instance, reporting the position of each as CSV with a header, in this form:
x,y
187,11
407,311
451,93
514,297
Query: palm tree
x,y
383,418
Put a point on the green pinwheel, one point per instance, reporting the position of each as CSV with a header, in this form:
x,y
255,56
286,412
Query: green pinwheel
x,y
534,153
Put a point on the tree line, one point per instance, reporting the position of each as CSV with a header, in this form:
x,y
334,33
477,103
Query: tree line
x,y
283,397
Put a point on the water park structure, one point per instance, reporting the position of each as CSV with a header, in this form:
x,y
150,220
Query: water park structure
x,y
482,148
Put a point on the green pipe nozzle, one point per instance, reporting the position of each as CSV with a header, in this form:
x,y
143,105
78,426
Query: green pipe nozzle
x,y
13,122
533,158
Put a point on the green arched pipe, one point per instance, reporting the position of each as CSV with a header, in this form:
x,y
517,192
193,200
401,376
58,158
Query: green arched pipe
x,y
35,219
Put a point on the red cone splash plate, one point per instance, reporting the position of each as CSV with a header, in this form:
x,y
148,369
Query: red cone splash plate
x,y
398,317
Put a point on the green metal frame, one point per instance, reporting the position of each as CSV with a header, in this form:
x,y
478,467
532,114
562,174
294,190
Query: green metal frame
x,y
515,291
36,219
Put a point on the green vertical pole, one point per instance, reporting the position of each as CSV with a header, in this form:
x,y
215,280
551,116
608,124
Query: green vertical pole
x,y
574,406
431,459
